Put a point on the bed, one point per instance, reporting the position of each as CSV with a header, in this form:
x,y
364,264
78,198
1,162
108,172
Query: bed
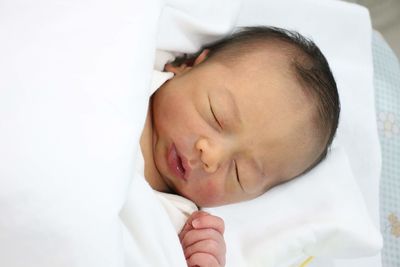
x,y
74,90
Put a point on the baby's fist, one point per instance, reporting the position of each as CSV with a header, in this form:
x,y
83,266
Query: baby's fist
x,y
202,240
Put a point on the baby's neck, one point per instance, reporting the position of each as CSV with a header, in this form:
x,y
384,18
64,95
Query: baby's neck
x,y
151,173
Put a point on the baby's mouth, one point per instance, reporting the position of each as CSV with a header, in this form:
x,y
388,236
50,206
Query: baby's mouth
x,y
176,163
180,165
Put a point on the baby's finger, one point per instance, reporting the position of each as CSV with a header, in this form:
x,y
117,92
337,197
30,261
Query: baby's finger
x,y
188,225
209,246
194,236
197,214
203,260
209,221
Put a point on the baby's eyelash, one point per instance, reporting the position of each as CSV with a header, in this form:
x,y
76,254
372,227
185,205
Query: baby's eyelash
x,y
212,111
237,174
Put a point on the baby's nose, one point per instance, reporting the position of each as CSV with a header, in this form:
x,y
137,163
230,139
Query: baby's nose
x,y
212,155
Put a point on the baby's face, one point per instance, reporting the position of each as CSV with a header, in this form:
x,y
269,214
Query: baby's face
x,y
239,130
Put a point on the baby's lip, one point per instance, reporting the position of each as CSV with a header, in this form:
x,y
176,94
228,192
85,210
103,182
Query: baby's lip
x,y
185,164
174,160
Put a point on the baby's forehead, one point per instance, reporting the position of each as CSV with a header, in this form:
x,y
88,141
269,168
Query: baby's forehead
x,y
263,68
258,91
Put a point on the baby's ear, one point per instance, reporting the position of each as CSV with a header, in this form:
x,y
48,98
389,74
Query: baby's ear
x,y
175,69
188,65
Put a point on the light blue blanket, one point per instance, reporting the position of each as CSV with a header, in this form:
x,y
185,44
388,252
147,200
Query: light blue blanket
x,y
387,95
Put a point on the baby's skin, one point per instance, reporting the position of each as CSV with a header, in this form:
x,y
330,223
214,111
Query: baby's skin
x,y
202,240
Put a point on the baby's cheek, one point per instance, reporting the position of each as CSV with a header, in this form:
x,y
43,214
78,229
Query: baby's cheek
x,y
212,193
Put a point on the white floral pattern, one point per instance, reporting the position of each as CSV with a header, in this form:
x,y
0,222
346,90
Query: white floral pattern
x,y
387,124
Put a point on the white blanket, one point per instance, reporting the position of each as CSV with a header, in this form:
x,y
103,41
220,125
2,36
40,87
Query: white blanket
x,y
74,80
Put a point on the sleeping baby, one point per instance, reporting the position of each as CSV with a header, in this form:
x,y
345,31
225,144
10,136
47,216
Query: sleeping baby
x,y
244,114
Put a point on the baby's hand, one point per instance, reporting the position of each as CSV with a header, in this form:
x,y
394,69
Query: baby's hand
x,y
202,240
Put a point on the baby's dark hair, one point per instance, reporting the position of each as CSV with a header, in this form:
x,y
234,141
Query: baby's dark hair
x,y
309,66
